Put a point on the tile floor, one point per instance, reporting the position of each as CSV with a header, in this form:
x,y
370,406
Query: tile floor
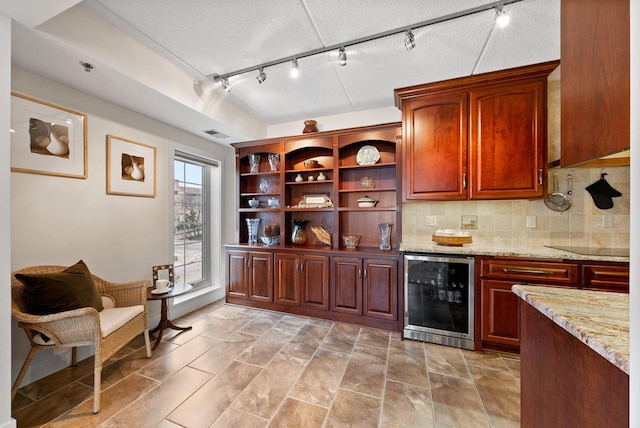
x,y
242,367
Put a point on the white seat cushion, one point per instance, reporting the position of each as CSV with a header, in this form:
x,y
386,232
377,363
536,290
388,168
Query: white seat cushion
x,y
113,318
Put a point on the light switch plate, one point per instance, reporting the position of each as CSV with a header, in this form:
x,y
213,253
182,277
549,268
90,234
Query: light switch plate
x,y
531,221
431,220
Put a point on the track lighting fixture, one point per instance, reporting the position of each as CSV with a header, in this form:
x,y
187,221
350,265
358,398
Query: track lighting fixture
x,y
502,18
224,82
262,76
342,57
409,40
294,68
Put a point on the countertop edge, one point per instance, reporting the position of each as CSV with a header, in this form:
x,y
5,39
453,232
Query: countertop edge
x,y
476,249
527,293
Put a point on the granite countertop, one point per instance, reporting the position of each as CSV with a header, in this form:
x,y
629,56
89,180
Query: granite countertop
x,y
478,249
599,319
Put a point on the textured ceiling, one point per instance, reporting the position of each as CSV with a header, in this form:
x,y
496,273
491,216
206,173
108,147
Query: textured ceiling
x,y
179,43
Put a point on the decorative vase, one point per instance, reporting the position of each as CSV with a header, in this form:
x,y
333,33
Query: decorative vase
x,y
264,186
298,235
274,161
310,126
254,163
385,236
299,178
252,229
322,177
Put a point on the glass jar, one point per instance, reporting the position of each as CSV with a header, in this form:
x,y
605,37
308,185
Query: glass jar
x,y
385,236
252,230
254,163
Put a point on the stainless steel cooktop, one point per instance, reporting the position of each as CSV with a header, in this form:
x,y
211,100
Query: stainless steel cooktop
x,y
589,251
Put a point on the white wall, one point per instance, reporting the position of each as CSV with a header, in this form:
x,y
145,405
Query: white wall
x,y
5,239
57,220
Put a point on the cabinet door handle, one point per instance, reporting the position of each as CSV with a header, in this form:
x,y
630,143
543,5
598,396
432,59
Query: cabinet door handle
x,y
301,268
365,274
464,180
540,176
360,273
529,271
249,264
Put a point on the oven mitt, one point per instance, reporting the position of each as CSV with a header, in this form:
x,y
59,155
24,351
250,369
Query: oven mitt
x,y
602,192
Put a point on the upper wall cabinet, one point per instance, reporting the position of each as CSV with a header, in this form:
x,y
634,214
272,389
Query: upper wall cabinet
x,y
595,94
477,137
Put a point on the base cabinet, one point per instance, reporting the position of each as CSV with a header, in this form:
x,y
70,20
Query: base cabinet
x,y
251,275
365,287
354,288
500,309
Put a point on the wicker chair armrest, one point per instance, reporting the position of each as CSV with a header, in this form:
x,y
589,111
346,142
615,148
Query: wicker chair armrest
x,y
125,294
76,326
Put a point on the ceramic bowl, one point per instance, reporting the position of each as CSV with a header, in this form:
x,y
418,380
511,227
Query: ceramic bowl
x,y
351,241
270,240
367,202
310,163
253,203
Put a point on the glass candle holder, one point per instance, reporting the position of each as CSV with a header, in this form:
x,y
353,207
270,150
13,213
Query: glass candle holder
x,y
254,163
274,161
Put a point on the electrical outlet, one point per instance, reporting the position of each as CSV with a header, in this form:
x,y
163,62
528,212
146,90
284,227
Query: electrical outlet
x,y
531,221
431,220
607,221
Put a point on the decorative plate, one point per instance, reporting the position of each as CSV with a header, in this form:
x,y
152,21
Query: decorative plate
x,y
367,155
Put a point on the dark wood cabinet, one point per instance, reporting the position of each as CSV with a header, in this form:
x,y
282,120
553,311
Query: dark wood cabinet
x,y
347,285
316,182
302,280
250,275
595,88
365,286
477,137
499,319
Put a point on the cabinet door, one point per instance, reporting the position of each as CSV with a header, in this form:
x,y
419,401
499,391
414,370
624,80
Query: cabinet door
x,y
500,313
506,156
315,281
261,276
238,274
435,147
380,284
595,83
287,279
347,285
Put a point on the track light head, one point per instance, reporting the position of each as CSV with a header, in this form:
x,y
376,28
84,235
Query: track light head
x,y
502,18
409,40
342,57
294,68
224,82
262,76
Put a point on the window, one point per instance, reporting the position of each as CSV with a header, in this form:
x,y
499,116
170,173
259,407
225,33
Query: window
x,y
192,219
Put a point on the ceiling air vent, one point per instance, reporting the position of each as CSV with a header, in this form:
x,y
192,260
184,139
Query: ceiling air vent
x,y
215,133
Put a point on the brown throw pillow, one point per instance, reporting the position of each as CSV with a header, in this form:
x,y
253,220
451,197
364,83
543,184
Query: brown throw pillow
x,y
50,293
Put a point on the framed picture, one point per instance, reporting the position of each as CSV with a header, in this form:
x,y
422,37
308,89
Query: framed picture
x,y
131,168
163,272
47,139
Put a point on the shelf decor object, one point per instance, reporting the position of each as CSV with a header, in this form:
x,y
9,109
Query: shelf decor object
x,y
351,241
252,229
368,155
274,161
310,126
298,235
47,139
367,183
385,236
254,163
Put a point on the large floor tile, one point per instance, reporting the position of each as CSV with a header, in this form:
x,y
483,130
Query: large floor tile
x,y
407,363
354,410
219,356
305,343
406,406
294,413
446,360
58,403
456,402
267,346
366,370
320,380
341,338
373,337
499,391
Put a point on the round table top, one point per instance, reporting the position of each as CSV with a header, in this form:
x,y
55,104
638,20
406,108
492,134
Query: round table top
x,y
174,291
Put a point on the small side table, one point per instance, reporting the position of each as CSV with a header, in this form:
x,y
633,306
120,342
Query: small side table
x,y
165,323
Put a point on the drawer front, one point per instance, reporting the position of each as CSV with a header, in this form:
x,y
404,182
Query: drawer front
x,y
538,272
606,277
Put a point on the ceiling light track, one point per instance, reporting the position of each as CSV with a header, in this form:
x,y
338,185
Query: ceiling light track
x,y
409,41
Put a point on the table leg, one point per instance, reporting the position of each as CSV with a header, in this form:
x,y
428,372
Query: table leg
x,y
165,323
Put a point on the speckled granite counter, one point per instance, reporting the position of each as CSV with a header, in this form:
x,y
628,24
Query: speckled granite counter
x,y
478,249
598,319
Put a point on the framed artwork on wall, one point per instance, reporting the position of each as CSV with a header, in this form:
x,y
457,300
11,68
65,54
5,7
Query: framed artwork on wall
x,y
131,168
47,139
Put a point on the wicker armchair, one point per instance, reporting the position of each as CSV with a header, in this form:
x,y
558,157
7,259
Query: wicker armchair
x,y
81,327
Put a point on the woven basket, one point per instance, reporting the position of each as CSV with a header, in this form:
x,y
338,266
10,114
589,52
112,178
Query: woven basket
x,y
454,241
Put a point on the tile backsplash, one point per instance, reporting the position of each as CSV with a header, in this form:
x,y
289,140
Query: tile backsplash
x,y
504,222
